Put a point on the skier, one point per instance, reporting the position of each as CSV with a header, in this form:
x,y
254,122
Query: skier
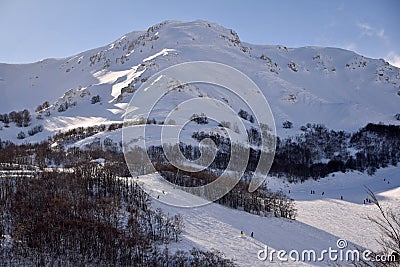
x,y
241,233
252,234
341,197
323,193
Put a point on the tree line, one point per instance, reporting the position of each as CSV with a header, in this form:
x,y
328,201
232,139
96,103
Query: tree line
x,y
262,202
319,151
20,118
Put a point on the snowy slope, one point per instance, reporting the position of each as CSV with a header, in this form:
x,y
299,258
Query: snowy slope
x,y
332,86
321,220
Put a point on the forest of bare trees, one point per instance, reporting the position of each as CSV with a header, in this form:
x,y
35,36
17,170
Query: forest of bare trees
x,y
84,213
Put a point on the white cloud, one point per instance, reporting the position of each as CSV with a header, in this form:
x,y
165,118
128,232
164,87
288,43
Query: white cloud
x,y
381,33
393,58
367,29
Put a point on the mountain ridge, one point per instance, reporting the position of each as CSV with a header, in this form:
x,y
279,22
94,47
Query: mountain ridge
x,y
326,85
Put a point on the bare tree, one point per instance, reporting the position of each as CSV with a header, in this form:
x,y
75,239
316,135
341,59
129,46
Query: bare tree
x,y
388,224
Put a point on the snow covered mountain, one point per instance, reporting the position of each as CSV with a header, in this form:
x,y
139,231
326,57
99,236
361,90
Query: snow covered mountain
x,y
332,86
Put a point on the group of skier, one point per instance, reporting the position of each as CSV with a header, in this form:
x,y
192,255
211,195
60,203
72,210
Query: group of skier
x,y
242,234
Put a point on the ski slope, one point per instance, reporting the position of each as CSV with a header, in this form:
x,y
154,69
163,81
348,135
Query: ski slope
x,y
321,220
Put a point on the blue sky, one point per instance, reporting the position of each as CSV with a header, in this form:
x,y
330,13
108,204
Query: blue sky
x,y
34,30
